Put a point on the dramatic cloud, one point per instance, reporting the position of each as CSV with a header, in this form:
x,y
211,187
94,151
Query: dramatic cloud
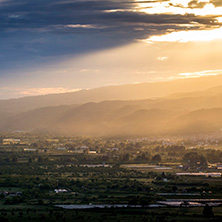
x,y
39,34
188,36
33,31
204,7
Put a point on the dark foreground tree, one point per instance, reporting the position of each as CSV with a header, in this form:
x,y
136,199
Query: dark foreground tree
x,y
156,158
207,211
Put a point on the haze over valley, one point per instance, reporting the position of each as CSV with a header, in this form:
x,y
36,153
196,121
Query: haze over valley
x,y
185,106
110,111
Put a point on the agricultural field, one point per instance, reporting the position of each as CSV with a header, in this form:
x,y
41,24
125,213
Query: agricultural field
x,y
121,181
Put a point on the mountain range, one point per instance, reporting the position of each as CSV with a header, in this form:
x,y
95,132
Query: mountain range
x,y
185,106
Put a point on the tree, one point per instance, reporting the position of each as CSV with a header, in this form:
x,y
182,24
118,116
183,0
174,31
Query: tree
x,y
193,159
203,161
156,158
40,159
14,159
142,157
133,201
144,202
2,219
207,211
125,157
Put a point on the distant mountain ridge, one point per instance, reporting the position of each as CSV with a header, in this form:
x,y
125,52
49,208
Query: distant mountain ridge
x,y
198,121
124,92
180,113
123,118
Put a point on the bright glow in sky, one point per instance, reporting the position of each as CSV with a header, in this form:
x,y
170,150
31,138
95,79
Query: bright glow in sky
x,y
89,44
188,36
219,19
27,91
178,7
202,73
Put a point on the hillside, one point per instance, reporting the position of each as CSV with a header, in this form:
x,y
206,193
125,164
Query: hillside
x,y
199,121
96,119
180,113
124,118
125,92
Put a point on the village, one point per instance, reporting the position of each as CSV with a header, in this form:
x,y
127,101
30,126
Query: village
x,y
84,173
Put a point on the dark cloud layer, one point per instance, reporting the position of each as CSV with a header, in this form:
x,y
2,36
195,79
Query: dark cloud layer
x,y
37,31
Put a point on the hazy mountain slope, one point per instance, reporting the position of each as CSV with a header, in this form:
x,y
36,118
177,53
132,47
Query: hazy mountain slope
x,y
38,118
115,118
3,116
201,93
48,117
199,121
97,119
146,122
125,92
129,117
188,103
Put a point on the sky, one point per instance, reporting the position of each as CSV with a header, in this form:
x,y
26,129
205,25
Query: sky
x,y
58,46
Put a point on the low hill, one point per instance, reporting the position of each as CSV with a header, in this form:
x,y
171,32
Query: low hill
x,y
125,92
199,121
109,118
116,118
182,113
